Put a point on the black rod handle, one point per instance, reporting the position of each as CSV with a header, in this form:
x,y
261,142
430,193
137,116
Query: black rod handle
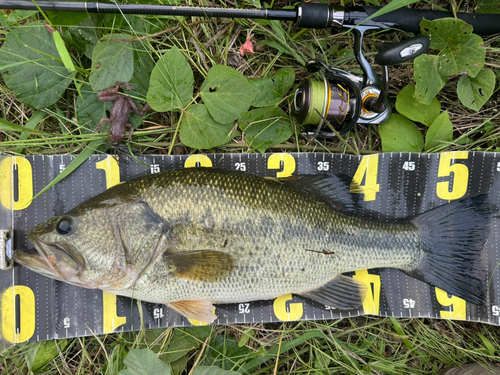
x,y
409,19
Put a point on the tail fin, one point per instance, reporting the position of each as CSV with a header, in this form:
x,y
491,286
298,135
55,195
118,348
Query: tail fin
x,y
452,238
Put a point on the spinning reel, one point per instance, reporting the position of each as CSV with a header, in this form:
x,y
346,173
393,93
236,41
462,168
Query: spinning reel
x,y
343,99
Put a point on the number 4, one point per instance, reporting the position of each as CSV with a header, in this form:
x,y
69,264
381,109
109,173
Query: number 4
x,y
367,170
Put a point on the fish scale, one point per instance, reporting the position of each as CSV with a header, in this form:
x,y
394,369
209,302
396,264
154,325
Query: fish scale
x,y
197,236
269,230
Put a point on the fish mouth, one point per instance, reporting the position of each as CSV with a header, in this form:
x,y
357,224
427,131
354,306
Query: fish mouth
x,y
51,259
35,262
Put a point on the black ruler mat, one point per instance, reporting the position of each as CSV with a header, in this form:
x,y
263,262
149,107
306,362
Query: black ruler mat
x,y
34,307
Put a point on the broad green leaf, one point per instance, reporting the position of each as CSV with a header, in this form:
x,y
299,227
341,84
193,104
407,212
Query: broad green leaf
x,y
227,93
440,132
82,37
19,15
200,130
461,52
428,80
224,352
179,365
265,127
271,90
474,92
144,362
184,341
112,61
141,25
90,110
408,106
30,65
66,18
46,352
212,370
171,84
247,334
143,66
399,134
488,6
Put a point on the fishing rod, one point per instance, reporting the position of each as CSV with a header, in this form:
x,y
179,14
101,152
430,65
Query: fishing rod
x,y
306,15
342,98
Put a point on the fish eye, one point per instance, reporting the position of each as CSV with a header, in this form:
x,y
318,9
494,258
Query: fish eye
x,y
64,226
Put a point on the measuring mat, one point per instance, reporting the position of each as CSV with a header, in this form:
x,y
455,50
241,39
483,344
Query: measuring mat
x,y
34,307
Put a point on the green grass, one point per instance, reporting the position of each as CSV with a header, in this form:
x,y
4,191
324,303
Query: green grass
x,y
350,346
364,345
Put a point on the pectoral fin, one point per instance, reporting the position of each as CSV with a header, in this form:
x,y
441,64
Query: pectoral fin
x,y
201,265
200,310
342,293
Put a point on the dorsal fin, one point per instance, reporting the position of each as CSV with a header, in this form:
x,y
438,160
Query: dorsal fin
x,y
331,189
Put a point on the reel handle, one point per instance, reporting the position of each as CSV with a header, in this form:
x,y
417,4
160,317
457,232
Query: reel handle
x,y
397,53
392,54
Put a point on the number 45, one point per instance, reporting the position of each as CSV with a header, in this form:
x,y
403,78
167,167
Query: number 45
x,y
409,166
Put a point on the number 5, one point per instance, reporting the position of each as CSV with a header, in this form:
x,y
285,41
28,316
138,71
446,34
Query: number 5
x,y
460,176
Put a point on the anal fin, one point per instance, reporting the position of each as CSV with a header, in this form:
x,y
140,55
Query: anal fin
x,y
200,310
342,292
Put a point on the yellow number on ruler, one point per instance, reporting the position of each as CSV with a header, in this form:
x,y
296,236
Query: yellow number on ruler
x,y
26,314
372,300
460,175
457,304
285,161
367,169
204,161
24,187
279,307
198,322
111,169
110,319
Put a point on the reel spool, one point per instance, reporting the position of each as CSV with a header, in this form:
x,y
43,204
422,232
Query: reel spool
x,y
336,99
315,101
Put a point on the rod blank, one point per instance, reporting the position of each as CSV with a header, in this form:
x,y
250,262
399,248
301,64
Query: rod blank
x,y
166,10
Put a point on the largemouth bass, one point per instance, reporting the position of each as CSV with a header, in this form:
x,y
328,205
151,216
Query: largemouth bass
x,y
191,238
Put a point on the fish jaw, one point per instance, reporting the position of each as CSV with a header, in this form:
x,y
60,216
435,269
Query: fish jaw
x,y
53,260
36,263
